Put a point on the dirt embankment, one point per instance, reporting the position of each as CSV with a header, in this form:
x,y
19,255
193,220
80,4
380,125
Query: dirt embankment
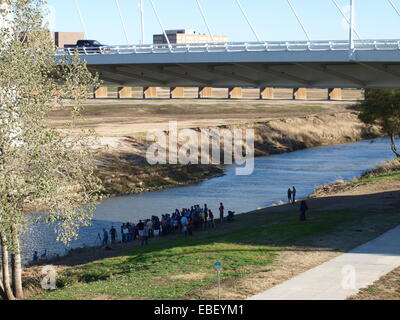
x,y
123,168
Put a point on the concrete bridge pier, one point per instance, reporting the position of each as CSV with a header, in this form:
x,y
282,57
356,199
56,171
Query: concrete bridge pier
x,y
204,92
149,92
300,94
266,93
124,92
235,93
334,94
176,92
100,92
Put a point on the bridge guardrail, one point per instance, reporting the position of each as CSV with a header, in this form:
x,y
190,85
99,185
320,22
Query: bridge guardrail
x,y
235,47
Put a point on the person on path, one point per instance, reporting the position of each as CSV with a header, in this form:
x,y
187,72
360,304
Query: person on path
x,y
221,211
129,235
105,237
185,222
303,210
122,232
211,218
294,191
191,226
289,195
125,233
113,233
150,228
157,227
140,227
145,235
205,217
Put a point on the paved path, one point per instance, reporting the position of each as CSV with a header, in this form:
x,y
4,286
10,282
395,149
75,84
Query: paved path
x,y
333,280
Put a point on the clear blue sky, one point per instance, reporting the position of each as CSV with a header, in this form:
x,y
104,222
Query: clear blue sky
x,y
272,19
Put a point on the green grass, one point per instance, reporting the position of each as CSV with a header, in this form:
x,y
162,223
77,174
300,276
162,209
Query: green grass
x,y
372,289
387,176
179,268
394,175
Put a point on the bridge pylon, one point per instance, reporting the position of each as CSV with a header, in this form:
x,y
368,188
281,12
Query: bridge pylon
x,y
300,94
266,93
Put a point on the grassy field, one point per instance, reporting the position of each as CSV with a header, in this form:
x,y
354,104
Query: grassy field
x,y
182,268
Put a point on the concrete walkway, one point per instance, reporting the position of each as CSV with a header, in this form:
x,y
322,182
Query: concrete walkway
x,y
344,275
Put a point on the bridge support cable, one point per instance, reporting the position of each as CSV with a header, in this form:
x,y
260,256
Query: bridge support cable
x,y
346,18
394,7
352,24
205,20
160,23
122,22
248,20
78,9
141,8
298,19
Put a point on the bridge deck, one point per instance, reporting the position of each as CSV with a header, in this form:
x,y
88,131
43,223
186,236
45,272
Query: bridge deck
x,y
321,64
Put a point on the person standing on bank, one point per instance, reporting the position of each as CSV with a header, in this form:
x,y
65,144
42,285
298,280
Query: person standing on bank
x,y
289,195
35,257
294,191
105,237
303,210
145,235
113,233
221,211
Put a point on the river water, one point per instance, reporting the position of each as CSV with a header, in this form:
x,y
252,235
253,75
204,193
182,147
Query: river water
x,y
268,185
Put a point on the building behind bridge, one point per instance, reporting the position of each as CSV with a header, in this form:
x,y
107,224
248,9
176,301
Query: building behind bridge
x,y
66,38
187,36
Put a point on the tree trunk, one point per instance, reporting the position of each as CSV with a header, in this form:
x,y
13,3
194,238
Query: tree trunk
x,y
6,270
17,266
2,291
393,145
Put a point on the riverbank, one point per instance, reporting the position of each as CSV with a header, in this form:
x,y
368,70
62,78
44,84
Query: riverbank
x,y
280,126
259,250
123,168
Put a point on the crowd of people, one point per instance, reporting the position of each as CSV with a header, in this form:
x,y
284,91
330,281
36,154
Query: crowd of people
x,y
182,221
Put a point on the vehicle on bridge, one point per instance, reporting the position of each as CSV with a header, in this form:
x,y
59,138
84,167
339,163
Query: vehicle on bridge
x,y
86,47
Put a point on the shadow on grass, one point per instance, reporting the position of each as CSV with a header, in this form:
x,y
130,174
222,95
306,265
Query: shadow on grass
x,y
274,227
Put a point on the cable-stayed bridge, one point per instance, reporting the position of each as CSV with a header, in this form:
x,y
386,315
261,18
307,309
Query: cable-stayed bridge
x,y
323,64
352,63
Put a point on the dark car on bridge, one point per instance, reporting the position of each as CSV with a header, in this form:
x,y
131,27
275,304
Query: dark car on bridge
x,y
87,46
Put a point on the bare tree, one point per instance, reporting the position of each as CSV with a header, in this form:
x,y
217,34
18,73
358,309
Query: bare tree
x,y
39,166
